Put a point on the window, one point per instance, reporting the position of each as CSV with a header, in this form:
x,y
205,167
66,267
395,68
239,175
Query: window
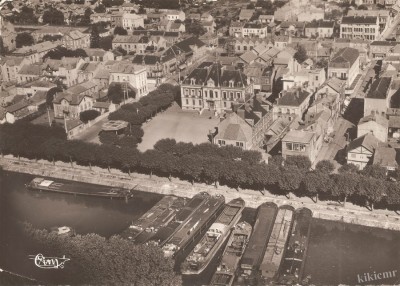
x,y
289,146
224,104
224,94
194,103
211,94
221,142
238,95
239,144
187,101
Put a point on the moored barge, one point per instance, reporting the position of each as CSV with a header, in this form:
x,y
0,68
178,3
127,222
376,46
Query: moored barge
x,y
197,224
254,253
159,215
182,216
78,188
292,268
216,235
276,244
226,271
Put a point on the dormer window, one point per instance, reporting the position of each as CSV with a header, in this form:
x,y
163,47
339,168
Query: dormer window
x,y
210,82
231,83
192,81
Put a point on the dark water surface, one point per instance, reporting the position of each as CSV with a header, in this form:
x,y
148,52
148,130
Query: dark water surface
x,y
337,252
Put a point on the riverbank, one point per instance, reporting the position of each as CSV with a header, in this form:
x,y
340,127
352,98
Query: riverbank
x,y
323,210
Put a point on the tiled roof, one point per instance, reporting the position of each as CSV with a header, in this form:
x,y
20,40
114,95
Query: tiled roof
x,y
379,88
367,141
149,59
320,24
249,56
41,47
95,52
33,69
17,106
75,35
394,121
127,68
296,24
298,136
381,120
293,98
359,20
344,58
126,39
385,157
73,99
234,128
11,61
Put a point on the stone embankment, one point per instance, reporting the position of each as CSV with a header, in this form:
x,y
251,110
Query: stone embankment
x,y
324,210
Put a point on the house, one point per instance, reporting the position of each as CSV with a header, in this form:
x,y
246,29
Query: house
x,y
170,37
236,29
260,76
116,19
139,44
187,50
292,28
281,42
29,88
266,19
380,49
17,111
320,29
71,105
243,45
10,67
35,53
29,72
134,75
157,66
374,124
300,143
100,17
291,104
246,126
246,14
214,87
394,127
361,150
377,100
254,30
103,107
360,27
89,88
132,21
102,77
99,55
209,26
345,64
333,88
386,157
383,15
65,70
173,15
7,34
309,79
76,40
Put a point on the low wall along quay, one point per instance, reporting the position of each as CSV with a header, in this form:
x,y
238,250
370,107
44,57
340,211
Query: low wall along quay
x,y
349,214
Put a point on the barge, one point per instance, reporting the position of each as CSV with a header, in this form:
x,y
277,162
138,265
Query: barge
x,y
200,257
292,268
181,216
78,188
196,225
254,253
226,271
159,215
276,244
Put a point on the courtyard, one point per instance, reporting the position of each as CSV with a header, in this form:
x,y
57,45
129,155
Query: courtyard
x,y
184,126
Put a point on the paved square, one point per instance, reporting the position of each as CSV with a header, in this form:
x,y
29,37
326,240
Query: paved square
x,y
183,126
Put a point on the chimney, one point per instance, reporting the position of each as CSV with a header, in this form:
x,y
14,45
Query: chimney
x,y
297,94
241,112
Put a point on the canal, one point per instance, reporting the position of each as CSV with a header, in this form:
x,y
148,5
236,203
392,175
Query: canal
x,y
337,252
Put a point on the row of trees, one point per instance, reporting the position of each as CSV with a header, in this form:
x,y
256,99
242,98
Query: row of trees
x,y
102,261
208,163
147,106
60,52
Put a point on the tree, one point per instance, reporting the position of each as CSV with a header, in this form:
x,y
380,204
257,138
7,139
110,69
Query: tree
x,y
325,166
86,17
115,93
53,16
300,162
50,96
345,185
348,168
301,54
107,261
105,43
372,190
317,182
24,39
88,115
165,145
362,7
141,10
374,171
95,37
290,178
194,27
100,9
250,6
108,138
120,31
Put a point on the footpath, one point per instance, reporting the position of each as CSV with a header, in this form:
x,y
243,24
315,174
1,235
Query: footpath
x,y
328,210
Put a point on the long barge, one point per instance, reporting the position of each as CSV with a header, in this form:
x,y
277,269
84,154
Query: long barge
x,y
200,257
226,271
181,216
276,244
78,188
292,268
159,215
189,231
254,253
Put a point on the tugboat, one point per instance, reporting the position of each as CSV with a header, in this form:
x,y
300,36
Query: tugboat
x,y
213,239
226,271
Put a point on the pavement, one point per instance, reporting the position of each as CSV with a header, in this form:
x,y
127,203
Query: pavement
x,y
91,134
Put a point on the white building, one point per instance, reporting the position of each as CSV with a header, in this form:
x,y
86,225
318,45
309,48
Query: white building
x,y
132,21
360,27
135,75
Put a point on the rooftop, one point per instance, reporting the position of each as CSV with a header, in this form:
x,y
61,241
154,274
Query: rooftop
x,y
379,88
298,136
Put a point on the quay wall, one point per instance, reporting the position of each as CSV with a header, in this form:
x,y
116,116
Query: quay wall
x,y
351,214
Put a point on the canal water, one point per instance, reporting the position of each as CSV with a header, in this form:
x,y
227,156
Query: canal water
x,y
337,252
